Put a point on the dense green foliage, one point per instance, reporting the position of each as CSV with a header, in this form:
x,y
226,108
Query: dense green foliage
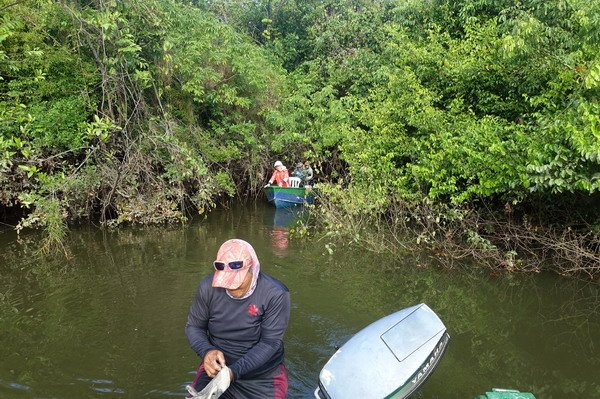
x,y
449,100
455,100
138,110
128,110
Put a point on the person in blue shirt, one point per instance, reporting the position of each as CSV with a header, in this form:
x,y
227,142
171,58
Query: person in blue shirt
x,y
238,319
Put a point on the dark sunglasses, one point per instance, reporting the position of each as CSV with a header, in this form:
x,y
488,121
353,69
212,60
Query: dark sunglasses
x,y
235,265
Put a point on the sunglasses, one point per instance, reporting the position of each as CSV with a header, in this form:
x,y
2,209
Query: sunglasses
x,y
234,265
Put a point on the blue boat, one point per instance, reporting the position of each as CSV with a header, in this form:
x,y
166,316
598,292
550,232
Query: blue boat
x,y
283,197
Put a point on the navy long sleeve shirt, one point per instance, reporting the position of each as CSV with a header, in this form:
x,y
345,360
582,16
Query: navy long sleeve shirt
x,y
248,331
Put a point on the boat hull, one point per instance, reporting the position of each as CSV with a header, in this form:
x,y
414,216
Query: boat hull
x,y
282,197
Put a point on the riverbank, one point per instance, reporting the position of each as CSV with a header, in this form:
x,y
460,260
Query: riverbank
x,y
502,240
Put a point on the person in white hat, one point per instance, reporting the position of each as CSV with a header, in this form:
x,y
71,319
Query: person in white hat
x,y
280,176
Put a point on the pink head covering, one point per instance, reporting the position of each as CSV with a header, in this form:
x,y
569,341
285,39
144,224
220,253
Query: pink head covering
x,y
235,250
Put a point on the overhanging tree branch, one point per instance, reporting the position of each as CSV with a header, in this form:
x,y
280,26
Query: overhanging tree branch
x,y
11,5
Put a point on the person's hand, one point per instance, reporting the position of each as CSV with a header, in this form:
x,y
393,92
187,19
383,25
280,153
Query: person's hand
x,y
268,185
213,362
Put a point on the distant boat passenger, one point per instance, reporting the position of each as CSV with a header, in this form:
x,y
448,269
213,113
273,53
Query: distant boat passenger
x,y
304,172
299,171
308,173
280,176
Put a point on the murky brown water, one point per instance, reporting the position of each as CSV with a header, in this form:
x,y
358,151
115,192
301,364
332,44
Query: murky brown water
x,y
110,321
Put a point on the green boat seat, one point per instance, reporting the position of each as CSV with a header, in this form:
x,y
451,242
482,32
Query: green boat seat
x,y
499,393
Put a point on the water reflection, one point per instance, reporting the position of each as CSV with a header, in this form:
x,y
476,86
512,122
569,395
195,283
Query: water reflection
x,y
109,320
283,220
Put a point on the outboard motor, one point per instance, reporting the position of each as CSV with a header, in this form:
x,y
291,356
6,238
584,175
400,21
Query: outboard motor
x,y
390,358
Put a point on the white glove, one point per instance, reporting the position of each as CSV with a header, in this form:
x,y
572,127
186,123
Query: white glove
x,y
215,388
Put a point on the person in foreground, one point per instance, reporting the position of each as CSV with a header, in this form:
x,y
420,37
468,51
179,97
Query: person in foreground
x,y
237,320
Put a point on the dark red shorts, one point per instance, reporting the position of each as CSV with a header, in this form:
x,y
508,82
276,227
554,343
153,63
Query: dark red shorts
x,y
270,385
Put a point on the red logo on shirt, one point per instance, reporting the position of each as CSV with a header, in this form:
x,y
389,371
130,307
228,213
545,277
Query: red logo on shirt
x,y
253,310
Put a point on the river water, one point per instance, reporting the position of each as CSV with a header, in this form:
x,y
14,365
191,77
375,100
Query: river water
x,y
108,322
